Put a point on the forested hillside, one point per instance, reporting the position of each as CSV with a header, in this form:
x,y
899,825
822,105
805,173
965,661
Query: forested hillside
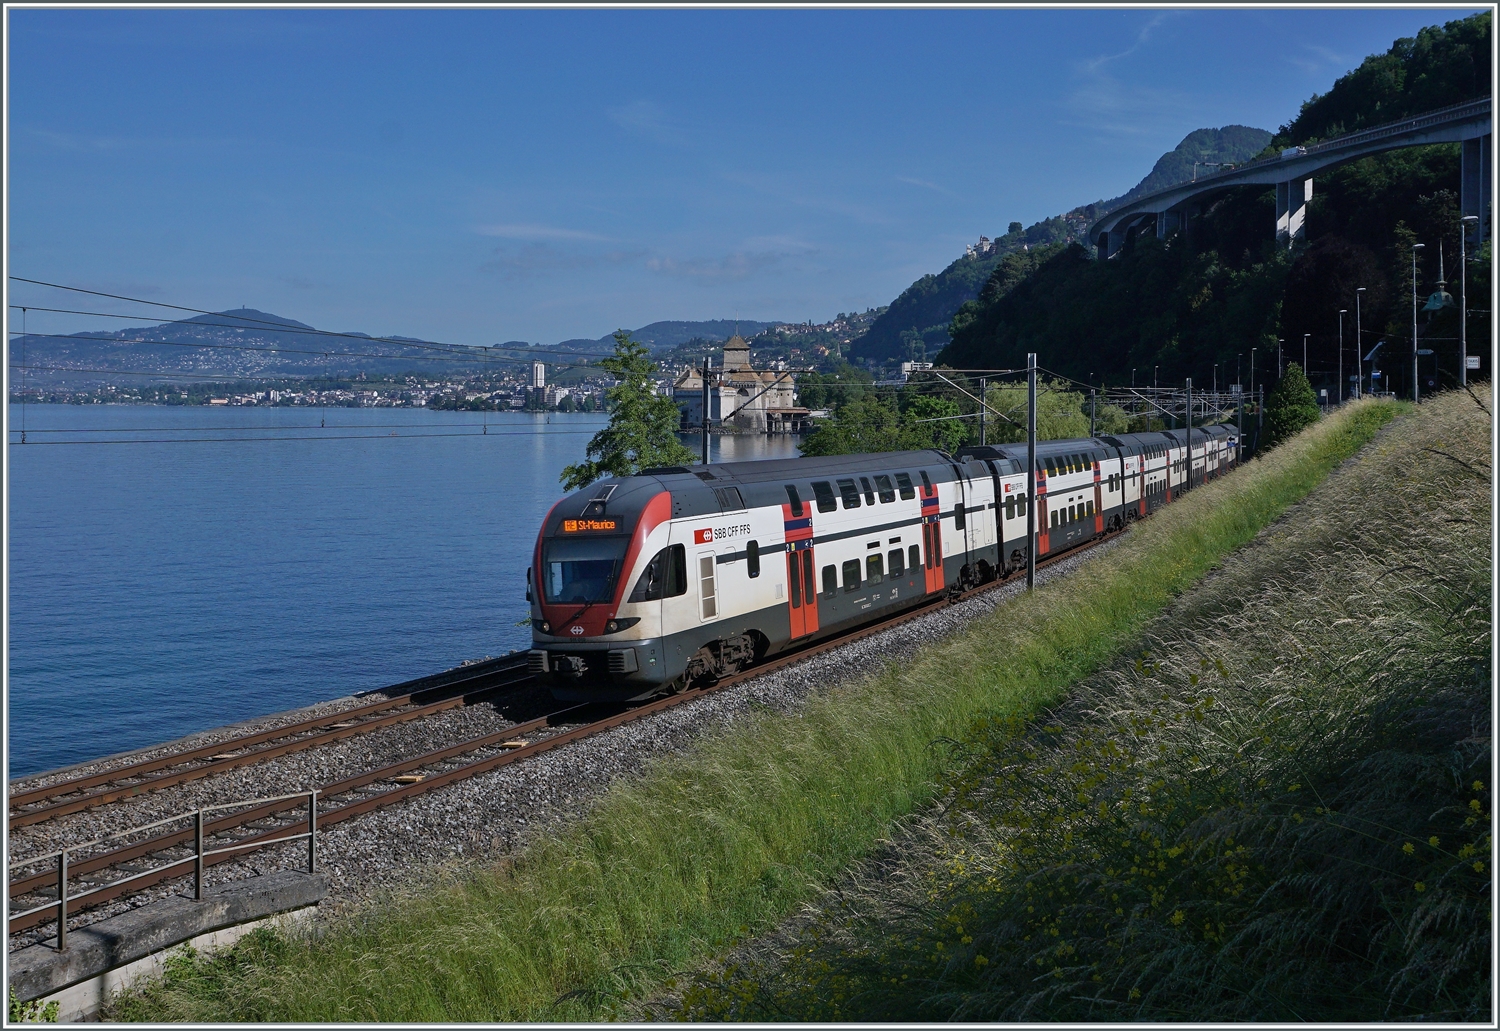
x,y
1233,144
917,323
1187,308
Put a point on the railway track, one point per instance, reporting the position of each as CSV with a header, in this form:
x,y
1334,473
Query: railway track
x,y
77,794
171,853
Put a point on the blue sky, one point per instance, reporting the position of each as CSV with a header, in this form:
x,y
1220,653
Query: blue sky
x,y
476,176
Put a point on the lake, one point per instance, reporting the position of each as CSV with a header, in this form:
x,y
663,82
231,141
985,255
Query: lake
x,y
174,569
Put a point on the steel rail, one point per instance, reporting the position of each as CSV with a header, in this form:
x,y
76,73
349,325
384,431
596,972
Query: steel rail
x,y
435,682
337,732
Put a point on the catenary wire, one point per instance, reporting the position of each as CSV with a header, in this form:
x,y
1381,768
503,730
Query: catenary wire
x,y
433,345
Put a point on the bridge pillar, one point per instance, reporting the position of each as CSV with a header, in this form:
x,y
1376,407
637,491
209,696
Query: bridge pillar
x,y
1474,187
1291,209
1109,243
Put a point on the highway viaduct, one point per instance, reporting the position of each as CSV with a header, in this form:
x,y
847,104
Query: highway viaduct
x,y
1292,175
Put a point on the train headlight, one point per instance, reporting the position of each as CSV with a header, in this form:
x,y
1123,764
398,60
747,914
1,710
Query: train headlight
x,y
614,626
546,627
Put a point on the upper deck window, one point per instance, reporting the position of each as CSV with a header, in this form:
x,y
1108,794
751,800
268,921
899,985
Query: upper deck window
x,y
850,493
887,492
903,481
823,490
792,496
581,570
864,482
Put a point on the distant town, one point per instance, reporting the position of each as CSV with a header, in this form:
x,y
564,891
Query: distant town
x,y
560,382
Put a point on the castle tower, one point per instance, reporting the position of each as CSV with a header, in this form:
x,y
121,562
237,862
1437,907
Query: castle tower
x,y
736,354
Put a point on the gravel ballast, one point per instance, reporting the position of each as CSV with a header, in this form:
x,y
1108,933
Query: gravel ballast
x,y
481,819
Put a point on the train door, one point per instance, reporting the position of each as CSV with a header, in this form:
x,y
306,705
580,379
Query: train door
x,y
1094,460
932,536
801,587
1043,531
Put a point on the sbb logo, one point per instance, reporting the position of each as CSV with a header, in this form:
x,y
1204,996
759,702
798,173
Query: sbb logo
x,y
703,536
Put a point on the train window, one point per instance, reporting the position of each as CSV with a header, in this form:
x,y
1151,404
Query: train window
x,y
926,483
653,578
752,558
794,581
729,499
849,493
1091,508
581,569
1051,467
874,568
676,572
958,515
903,481
706,592
887,492
897,567
851,575
1054,518
823,490
1010,506
864,481
914,556
807,577
830,581
792,496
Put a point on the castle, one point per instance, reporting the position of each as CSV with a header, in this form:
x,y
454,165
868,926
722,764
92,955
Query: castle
x,y
741,397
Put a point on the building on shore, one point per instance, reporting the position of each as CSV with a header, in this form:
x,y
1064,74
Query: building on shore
x,y
741,398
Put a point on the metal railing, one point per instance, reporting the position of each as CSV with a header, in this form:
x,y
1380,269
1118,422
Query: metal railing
x,y
200,854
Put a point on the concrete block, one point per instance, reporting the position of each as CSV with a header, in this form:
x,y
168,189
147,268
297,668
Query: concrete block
x,y
41,972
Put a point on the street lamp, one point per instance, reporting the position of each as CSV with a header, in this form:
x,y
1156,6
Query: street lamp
x,y
1153,376
1280,371
1463,302
1359,346
1304,352
1415,391
1342,313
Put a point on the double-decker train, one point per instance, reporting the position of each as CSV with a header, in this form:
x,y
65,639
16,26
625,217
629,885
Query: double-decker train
x,y
649,583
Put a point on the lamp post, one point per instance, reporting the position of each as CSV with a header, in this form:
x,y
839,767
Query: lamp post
x,y
1463,298
1279,370
1415,390
1304,352
1359,346
1153,376
1342,313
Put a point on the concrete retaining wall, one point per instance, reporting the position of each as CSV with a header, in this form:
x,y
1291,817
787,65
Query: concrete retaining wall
x,y
109,954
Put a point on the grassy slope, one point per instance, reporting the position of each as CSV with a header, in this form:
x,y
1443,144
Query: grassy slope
x,y
1280,812
727,839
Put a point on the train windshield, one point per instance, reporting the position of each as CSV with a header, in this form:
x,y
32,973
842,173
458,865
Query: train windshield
x,y
581,569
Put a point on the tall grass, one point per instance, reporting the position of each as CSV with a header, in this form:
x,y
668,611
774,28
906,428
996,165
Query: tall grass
x,y
724,841
1279,810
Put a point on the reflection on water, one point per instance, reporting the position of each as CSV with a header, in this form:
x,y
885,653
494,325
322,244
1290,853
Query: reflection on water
x,y
743,447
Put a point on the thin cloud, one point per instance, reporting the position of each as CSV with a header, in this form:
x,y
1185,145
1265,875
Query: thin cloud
x,y
934,187
647,118
1318,59
536,231
539,258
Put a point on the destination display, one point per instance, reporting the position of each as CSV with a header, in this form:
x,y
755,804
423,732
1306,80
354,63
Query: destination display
x,y
589,525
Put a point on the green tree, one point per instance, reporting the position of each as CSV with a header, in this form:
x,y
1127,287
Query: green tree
x,y
1290,407
863,425
642,430
929,422
1060,412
